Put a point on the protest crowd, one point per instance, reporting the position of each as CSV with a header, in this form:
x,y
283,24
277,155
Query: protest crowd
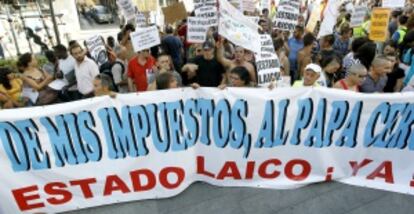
x,y
348,57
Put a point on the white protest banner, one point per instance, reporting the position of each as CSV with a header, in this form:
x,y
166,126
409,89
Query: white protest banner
x,y
128,8
254,19
197,29
204,3
104,151
145,38
358,15
140,20
267,62
286,18
330,15
238,4
249,5
208,12
96,47
237,28
393,3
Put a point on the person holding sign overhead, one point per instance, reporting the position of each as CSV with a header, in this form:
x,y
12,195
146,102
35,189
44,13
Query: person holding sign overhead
x,y
239,60
205,70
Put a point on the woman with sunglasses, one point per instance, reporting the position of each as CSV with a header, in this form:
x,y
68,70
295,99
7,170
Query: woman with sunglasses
x,y
356,76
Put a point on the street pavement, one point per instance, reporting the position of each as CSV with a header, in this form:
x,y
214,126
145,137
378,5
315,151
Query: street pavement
x,y
323,198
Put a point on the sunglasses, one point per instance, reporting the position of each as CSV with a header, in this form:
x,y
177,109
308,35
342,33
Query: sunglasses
x,y
198,50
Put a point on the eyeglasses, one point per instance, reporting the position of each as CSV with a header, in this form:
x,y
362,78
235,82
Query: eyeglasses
x,y
198,50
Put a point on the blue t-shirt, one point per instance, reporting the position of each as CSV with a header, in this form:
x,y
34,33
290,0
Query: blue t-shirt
x,y
340,46
409,60
172,46
294,48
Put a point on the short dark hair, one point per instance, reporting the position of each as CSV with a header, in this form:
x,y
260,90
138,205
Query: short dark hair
x,y
129,26
299,27
24,60
105,79
308,39
396,13
345,29
61,48
330,39
357,43
72,42
328,60
169,30
50,56
76,45
243,73
163,80
392,44
403,20
278,43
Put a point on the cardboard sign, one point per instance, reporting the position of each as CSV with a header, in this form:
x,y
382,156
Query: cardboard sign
x,y
204,3
237,28
267,62
174,13
96,48
128,8
393,3
358,15
379,24
145,38
197,28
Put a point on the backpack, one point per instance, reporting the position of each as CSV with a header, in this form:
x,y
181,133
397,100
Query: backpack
x,y
106,68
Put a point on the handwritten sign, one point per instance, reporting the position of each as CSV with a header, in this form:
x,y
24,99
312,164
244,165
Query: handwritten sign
x,y
145,38
379,24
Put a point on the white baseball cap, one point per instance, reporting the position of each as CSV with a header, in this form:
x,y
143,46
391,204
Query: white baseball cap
x,y
314,67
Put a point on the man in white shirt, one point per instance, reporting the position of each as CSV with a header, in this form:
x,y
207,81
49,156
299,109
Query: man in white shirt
x,y
66,76
85,71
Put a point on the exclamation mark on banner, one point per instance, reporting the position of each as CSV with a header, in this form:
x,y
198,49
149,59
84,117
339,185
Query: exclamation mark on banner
x,y
329,173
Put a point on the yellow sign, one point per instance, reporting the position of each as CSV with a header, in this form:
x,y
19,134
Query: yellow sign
x,y
146,5
379,24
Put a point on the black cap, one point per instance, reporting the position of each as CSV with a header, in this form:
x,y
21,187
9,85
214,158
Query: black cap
x,y
208,45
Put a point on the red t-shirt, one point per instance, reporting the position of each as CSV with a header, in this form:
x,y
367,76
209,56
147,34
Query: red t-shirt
x,y
138,72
